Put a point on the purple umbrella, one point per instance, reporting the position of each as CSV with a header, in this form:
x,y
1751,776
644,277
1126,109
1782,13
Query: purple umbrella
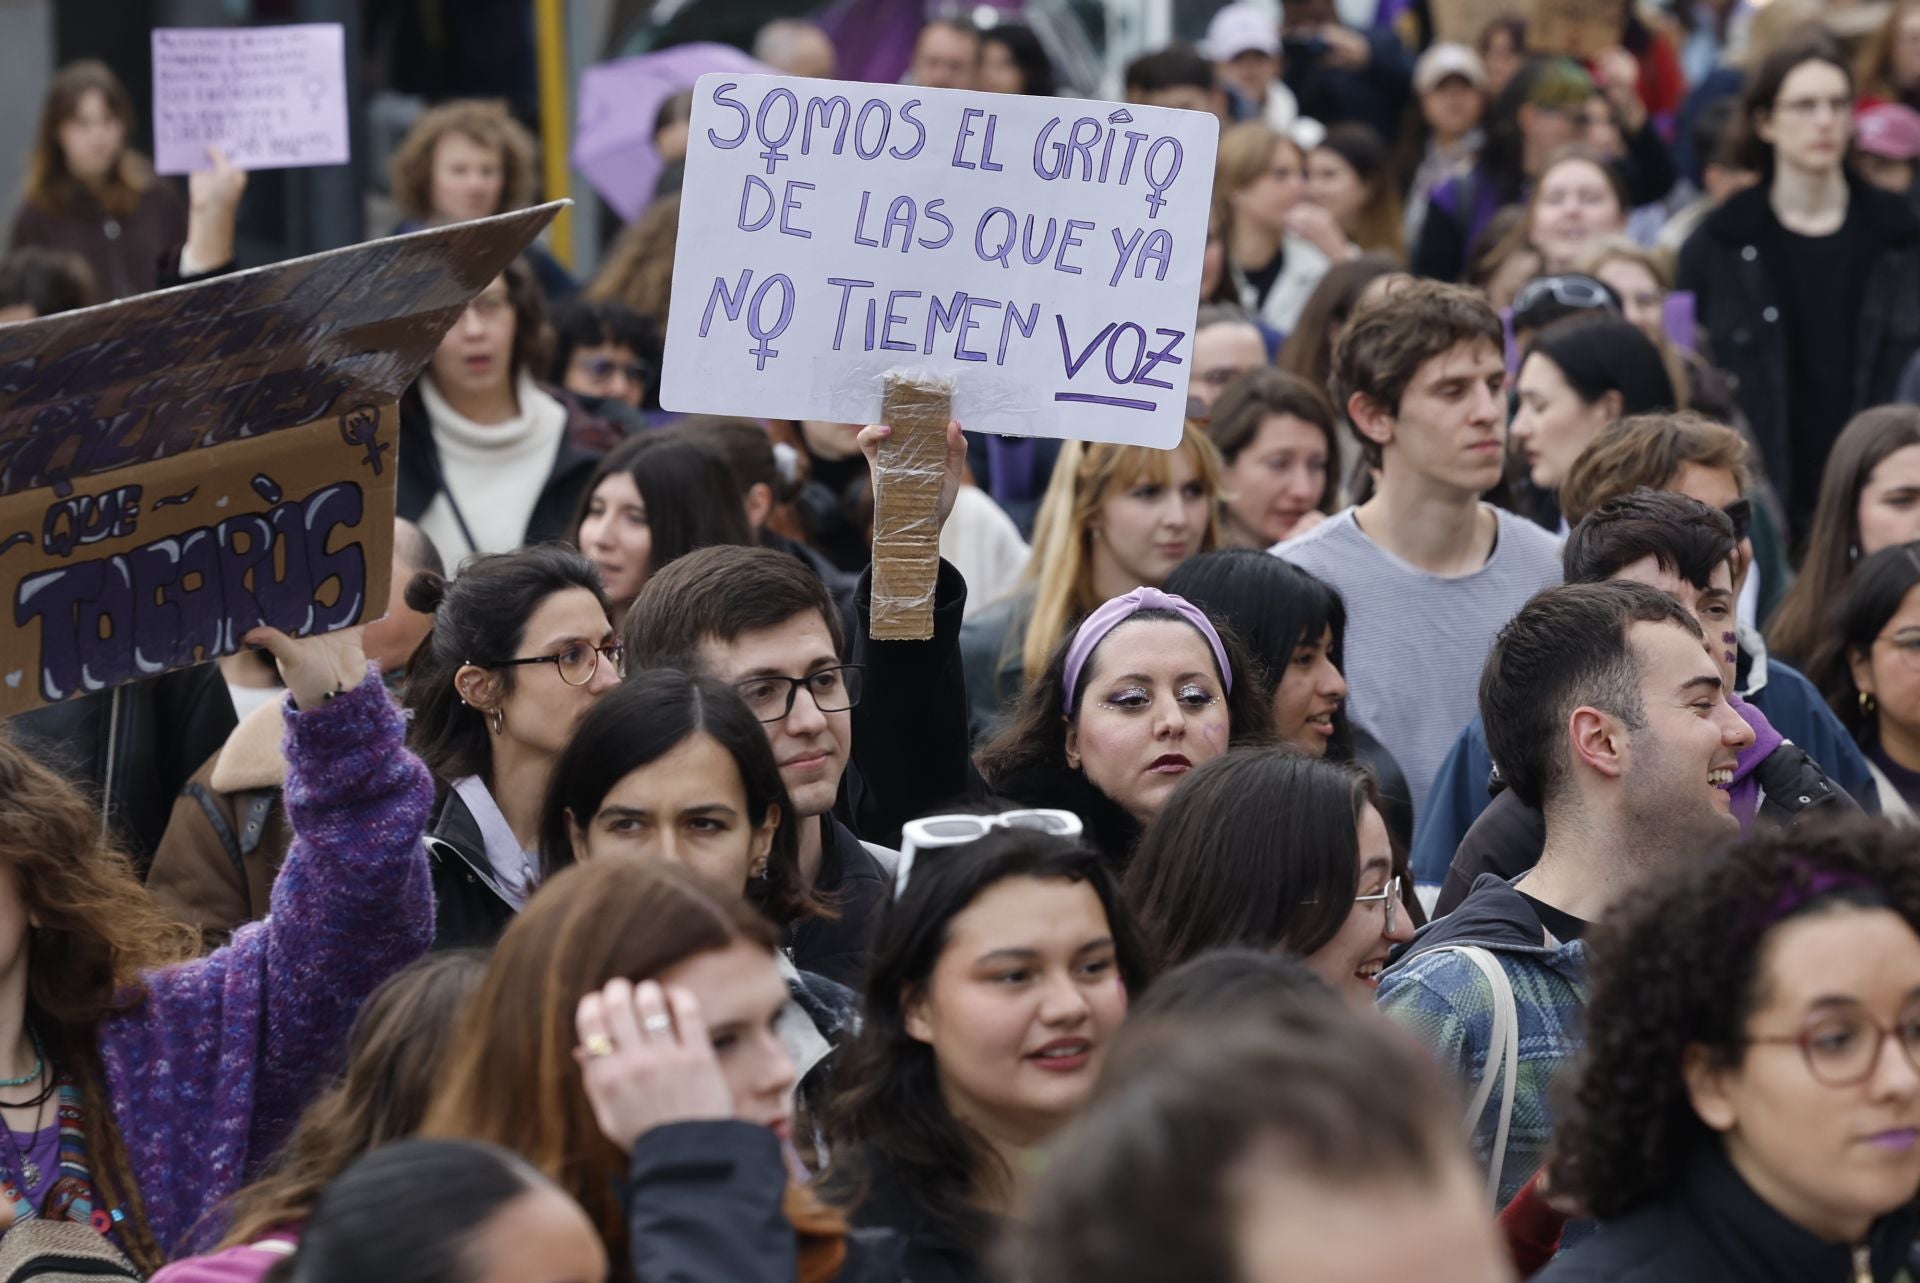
x,y
613,133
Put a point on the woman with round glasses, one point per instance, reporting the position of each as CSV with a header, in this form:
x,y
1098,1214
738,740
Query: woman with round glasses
x,y
520,648
1310,870
1748,1107
1868,667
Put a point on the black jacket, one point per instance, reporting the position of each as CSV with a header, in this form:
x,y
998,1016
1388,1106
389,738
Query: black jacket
x,y
1714,1229
704,1206
1724,263
1507,838
1109,828
136,746
470,909
854,885
911,756
420,478
929,1254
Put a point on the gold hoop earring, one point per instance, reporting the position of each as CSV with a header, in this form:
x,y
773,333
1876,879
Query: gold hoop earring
x,y
497,720
1866,704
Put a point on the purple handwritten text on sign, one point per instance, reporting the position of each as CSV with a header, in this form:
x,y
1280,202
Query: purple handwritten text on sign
x,y
270,97
1040,253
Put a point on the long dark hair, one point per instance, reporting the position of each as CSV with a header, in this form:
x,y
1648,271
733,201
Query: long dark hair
x,y
642,720
692,496
479,616
1036,734
1601,354
1308,350
1214,870
407,1213
889,1116
1833,540
1873,596
1678,964
1764,84
1273,608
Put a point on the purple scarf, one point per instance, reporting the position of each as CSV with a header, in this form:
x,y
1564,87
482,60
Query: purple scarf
x,y
1745,788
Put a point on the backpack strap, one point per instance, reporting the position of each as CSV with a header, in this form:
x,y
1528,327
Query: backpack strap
x,y
1503,1041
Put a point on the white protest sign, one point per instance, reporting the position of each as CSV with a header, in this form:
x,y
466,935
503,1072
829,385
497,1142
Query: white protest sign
x,y
269,97
1043,253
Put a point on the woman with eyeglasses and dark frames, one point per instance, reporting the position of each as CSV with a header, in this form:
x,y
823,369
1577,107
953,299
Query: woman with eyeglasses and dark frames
x,y
1868,667
1748,1104
1310,870
521,647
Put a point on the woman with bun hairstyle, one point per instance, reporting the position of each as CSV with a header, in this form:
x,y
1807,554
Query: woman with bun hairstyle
x,y
521,647
1747,1106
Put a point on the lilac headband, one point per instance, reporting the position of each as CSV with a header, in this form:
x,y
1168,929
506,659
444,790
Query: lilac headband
x,y
1117,611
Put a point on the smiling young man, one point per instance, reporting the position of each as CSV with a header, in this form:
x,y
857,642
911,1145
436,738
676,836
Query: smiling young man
x,y
1428,572
1688,550
895,711
1609,715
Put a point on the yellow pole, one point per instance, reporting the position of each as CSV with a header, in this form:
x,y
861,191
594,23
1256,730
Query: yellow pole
x,y
550,37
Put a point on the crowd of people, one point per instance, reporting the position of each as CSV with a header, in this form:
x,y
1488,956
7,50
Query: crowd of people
x,y
1450,817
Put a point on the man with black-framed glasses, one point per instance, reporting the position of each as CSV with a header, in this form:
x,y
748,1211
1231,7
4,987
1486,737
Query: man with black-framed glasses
x,y
867,734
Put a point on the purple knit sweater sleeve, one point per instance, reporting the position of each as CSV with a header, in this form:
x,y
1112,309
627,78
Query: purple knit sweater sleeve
x,y
210,1072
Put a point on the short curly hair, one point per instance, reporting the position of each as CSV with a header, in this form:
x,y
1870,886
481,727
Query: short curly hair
x,y
1676,964
410,171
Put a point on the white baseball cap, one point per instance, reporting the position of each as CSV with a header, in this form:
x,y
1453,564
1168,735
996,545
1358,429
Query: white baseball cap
x,y
1240,28
1442,61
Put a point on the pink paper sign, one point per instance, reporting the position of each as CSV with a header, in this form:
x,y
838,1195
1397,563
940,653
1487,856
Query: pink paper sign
x,y
270,97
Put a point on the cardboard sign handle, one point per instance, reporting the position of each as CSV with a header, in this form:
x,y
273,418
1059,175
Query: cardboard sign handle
x,y
907,477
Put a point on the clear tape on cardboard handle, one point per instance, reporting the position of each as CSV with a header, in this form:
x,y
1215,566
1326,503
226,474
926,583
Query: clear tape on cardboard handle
x,y
908,472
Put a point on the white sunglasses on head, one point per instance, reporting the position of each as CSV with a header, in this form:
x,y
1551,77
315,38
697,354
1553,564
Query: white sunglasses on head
x,y
958,830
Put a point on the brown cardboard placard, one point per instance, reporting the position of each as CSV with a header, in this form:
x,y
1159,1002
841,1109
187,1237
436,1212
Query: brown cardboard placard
x,y
907,478
178,467
1462,22
1576,28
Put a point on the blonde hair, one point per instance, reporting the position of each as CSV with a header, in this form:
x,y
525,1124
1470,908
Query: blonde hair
x,y
1246,150
1084,478
410,172
639,267
1659,265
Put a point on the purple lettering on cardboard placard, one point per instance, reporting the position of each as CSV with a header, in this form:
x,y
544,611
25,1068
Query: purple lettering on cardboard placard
x,y
824,110
1027,326
944,316
920,141
1070,239
772,153
722,97
887,341
860,222
756,318
752,187
1004,254
790,204
728,300
75,522
1157,248
191,596
17,537
169,501
860,147
1094,398
1162,356
847,287
361,427
1034,256
1156,201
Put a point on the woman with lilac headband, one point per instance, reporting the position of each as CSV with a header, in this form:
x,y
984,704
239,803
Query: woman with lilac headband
x,y
1749,1102
1147,688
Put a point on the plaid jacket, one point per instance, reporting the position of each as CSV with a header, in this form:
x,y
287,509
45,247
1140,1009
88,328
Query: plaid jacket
x,y
1444,1000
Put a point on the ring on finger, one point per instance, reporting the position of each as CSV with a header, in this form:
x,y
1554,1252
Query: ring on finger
x,y
599,1045
657,1024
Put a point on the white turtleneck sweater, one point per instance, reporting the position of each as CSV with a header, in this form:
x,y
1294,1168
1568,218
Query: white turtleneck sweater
x,y
495,471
